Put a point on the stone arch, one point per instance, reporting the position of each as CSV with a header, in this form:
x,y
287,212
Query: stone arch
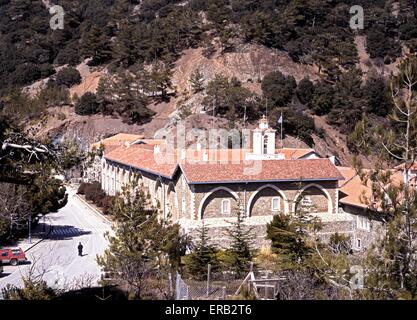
x,y
127,177
172,201
112,182
251,201
118,179
323,191
158,190
209,194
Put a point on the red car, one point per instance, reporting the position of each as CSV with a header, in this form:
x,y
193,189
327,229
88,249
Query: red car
x,y
12,256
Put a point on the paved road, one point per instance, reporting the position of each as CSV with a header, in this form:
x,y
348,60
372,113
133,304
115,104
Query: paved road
x,y
57,256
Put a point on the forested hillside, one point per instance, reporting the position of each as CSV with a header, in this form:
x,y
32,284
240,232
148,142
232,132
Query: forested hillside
x,y
320,73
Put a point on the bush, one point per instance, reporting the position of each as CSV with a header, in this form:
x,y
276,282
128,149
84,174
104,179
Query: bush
x,y
94,193
106,204
81,188
87,104
68,77
46,70
26,74
68,55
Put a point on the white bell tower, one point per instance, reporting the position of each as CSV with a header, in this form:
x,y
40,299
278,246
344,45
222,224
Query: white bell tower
x,y
263,139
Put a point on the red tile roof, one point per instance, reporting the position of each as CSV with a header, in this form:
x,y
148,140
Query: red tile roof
x,y
265,170
117,140
233,168
354,192
141,157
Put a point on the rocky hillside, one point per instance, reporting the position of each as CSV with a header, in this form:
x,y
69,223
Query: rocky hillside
x,y
206,63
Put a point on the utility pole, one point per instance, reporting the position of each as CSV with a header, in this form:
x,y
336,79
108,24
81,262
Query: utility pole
x,y
282,141
208,279
30,228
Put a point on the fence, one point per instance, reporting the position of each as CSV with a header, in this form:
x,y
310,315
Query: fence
x,y
198,290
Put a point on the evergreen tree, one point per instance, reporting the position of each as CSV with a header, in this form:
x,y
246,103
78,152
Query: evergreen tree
x,y
95,45
290,236
197,81
278,89
125,47
203,253
239,253
322,100
143,245
87,104
160,79
123,93
305,90
392,261
349,101
378,98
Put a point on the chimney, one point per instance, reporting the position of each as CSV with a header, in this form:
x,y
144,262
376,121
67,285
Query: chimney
x,y
205,155
156,149
183,154
333,159
198,146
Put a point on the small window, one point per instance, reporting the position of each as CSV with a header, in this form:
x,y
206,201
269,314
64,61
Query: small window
x,y
265,144
226,206
363,223
276,204
358,243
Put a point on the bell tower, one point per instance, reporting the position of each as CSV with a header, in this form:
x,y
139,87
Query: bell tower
x,y
263,139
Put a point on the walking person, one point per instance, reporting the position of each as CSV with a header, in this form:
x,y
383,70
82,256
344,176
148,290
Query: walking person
x,y
80,249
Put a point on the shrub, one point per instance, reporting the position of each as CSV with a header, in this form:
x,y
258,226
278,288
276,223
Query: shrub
x,y
81,188
106,204
68,55
46,70
87,104
94,193
68,77
26,73
54,96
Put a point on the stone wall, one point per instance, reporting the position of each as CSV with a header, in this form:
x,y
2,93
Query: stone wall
x,y
256,198
261,204
366,236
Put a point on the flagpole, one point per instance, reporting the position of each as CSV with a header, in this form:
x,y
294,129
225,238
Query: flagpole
x,y
282,141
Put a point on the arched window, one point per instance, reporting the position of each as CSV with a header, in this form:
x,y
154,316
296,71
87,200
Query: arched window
x,y
265,144
225,206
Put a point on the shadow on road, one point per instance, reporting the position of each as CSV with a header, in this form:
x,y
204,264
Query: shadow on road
x,y
66,232
4,274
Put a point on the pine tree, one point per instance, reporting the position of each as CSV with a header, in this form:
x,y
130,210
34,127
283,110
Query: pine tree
x,y
290,236
203,253
94,44
240,252
142,245
197,81
392,261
